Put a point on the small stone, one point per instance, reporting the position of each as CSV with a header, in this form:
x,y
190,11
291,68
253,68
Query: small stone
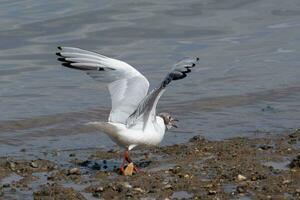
x,y
34,164
127,185
168,186
74,171
208,185
286,181
241,177
176,169
13,189
96,195
241,189
186,176
12,166
212,192
72,155
139,190
55,153
295,162
6,185
99,189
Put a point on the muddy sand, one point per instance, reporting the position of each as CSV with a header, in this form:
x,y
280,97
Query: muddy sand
x,y
238,168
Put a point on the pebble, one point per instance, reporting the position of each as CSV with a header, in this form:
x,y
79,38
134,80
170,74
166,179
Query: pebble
x,y
176,169
72,155
12,165
97,195
139,190
34,164
127,185
241,189
212,192
286,181
168,186
241,177
99,189
295,162
74,171
13,189
6,185
186,176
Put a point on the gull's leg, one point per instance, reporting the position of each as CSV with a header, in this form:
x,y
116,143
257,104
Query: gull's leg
x,y
125,157
128,159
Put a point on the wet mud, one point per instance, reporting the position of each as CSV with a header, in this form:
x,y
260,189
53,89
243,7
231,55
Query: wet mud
x,y
240,168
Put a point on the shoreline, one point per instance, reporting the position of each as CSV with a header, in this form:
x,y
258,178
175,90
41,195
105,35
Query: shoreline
x,y
250,168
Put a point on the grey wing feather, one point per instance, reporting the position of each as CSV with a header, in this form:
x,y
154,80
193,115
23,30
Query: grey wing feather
x,y
146,109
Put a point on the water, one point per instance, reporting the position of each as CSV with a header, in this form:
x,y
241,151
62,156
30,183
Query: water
x,y
249,63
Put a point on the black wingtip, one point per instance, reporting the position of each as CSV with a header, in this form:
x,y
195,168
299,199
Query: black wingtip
x,y
58,54
197,58
62,59
59,47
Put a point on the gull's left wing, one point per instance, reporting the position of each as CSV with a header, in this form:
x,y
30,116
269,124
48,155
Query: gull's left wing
x,y
146,109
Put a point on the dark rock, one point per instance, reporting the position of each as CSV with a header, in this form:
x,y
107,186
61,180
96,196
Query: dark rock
x,y
196,138
265,147
295,163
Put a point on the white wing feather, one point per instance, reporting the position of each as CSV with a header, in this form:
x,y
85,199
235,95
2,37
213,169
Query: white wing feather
x,y
126,85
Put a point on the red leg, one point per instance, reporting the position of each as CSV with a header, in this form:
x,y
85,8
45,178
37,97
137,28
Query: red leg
x,y
127,159
136,169
124,161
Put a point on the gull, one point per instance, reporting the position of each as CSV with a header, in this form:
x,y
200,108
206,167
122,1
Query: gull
x,y
132,120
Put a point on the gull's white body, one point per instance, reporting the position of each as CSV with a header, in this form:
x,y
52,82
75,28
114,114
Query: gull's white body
x,y
130,137
132,120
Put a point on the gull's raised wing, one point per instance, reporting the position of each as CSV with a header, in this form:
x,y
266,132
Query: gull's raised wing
x,y
127,86
146,109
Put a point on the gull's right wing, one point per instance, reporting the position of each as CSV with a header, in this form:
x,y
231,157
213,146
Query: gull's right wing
x,y
126,85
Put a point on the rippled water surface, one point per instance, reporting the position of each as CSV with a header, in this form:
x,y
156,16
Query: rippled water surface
x,y
247,82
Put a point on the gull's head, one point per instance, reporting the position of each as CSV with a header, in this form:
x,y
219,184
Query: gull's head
x,y
168,120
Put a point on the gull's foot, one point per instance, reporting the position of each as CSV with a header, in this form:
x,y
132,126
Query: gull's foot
x,y
129,169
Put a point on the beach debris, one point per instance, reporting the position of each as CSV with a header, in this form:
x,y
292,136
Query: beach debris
x,y
74,171
128,171
241,177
